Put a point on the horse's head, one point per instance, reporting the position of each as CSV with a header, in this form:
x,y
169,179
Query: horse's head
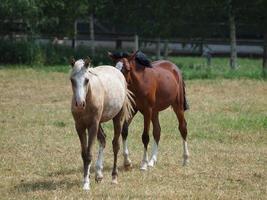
x,y
124,62
80,81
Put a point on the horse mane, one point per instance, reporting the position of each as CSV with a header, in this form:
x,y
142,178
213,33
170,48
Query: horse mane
x,y
78,66
142,59
119,55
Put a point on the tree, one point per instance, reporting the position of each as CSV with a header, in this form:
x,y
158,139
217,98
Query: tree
x,y
23,12
255,16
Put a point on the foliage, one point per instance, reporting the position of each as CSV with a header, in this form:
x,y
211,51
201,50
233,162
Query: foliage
x,y
32,53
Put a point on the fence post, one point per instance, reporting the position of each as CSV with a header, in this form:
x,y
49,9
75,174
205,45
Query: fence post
x,y
166,49
75,35
92,34
136,42
158,48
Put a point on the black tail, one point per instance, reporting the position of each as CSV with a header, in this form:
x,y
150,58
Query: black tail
x,y
186,105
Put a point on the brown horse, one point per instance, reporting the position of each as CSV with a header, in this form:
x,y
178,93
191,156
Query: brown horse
x,y
156,86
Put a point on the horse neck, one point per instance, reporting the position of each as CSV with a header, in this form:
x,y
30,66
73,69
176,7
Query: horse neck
x,y
136,78
89,92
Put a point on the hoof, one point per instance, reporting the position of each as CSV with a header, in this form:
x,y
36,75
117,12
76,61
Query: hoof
x,y
185,163
114,180
98,179
151,163
186,160
86,186
143,166
128,166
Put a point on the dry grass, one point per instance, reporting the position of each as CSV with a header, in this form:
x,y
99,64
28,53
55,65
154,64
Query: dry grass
x,y
40,152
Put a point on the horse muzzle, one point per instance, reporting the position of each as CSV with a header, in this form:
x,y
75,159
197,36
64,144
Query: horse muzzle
x,y
80,105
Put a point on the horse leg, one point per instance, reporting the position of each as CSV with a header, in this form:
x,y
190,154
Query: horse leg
x,y
83,140
183,130
127,162
117,123
92,132
156,135
99,163
145,137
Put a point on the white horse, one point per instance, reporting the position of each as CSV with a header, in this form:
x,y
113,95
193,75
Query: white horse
x,y
99,94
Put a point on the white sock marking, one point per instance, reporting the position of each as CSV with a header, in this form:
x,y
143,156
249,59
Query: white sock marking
x,y
154,154
99,162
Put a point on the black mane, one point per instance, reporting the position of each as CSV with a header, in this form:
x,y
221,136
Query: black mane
x,y
119,55
141,58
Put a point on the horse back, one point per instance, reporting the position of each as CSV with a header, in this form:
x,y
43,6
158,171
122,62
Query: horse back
x,y
169,83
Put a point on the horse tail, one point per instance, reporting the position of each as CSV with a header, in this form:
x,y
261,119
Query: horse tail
x,y
186,105
128,108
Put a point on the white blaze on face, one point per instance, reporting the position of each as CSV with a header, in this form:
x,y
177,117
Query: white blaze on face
x,y
78,78
80,89
119,65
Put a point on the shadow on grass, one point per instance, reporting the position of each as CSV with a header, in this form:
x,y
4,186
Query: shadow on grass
x,y
46,185
65,172
52,184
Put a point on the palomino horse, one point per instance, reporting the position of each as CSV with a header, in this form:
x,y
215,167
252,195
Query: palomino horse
x,y
99,94
155,86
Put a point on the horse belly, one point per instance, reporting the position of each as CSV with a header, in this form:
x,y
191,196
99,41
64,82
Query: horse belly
x,y
166,93
114,100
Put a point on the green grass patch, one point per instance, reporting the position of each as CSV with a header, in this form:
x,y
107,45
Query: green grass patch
x,y
191,67
197,68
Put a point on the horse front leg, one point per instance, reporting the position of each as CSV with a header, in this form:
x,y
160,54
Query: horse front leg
x,y
127,162
156,135
101,136
81,130
145,137
92,132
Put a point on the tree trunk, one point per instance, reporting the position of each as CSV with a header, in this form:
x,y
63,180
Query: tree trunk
x,y
158,49
92,35
118,44
136,42
264,57
73,44
233,49
166,49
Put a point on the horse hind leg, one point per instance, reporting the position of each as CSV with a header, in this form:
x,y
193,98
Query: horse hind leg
x,y
127,162
183,130
156,135
117,123
101,136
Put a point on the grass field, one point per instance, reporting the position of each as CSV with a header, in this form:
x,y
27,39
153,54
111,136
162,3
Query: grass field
x,y
40,151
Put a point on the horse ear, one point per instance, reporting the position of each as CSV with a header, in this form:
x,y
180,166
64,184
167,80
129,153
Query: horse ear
x,y
87,62
72,62
110,55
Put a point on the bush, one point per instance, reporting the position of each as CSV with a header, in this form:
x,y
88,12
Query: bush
x,y
21,52
32,53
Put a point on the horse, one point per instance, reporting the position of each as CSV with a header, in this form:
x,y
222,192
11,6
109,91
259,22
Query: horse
x,y
155,86
99,94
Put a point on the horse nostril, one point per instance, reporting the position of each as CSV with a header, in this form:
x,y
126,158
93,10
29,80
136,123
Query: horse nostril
x,y
76,104
83,104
